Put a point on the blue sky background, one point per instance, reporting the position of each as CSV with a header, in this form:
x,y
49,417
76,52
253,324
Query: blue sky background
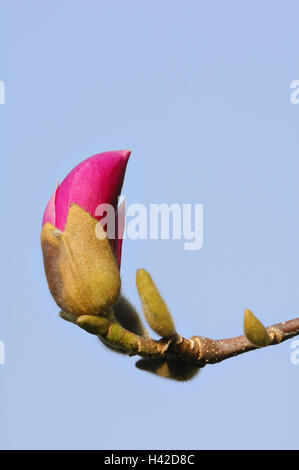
x,y
200,91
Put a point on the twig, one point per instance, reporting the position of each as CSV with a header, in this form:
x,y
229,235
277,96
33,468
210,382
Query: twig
x,y
197,350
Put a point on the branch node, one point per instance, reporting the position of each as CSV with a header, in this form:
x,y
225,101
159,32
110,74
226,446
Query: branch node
x,y
275,334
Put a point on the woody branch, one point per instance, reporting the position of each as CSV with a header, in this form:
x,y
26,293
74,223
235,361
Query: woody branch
x,y
197,350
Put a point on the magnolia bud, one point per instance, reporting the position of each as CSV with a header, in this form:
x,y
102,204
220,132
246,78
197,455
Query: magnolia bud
x,y
81,270
81,264
255,331
154,308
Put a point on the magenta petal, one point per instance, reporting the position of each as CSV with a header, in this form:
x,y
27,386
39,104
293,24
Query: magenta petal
x,y
120,221
49,215
97,180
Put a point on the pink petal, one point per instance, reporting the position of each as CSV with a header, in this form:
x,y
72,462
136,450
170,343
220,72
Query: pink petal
x,y
49,215
120,224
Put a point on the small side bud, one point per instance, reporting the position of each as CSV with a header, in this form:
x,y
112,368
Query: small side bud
x,y
255,331
154,308
126,315
176,370
93,324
